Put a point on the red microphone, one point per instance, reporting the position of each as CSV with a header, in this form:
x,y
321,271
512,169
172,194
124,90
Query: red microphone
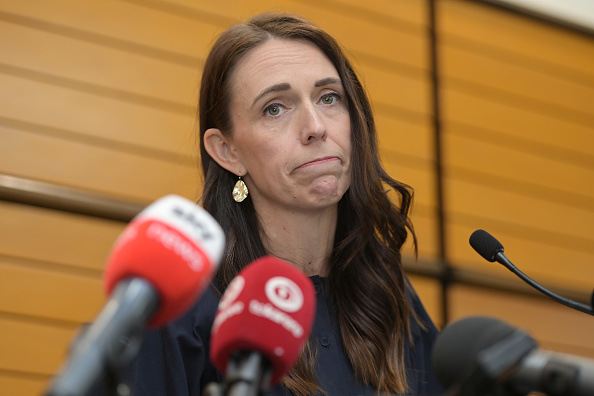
x,y
175,246
261,325
158,267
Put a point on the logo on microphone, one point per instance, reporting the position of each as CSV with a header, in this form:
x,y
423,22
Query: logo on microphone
x,y
284,293
176,242
228,307
232,292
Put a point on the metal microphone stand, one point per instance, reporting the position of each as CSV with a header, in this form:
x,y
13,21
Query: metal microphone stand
x,y
248,374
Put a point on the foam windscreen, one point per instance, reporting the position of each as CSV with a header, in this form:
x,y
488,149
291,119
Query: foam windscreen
x,y
268,308
457,347
485,244
173,244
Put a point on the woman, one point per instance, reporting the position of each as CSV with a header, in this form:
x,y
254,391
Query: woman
x,y
285,121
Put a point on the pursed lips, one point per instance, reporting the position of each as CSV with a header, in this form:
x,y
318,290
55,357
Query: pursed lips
x,y
318,161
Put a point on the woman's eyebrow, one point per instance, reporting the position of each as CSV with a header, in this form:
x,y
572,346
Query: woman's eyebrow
x,y
274,88
328,81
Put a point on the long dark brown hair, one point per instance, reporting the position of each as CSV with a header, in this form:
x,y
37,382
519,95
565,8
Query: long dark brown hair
x,y
366,281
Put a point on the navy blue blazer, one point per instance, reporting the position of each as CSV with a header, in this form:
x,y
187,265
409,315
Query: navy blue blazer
x,y
174,360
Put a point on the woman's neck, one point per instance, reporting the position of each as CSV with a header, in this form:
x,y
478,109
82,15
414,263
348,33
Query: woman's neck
x,y
304,239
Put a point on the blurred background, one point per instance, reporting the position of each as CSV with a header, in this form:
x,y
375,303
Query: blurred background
x,y
484,108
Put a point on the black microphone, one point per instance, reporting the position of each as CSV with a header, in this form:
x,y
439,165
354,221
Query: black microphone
x,y
492,250
481,355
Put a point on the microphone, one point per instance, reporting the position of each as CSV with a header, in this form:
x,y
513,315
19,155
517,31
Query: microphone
x,y
492,250
261,325
158,267
481,355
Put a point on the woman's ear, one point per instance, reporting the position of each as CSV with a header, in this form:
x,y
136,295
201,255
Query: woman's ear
x,y
221,149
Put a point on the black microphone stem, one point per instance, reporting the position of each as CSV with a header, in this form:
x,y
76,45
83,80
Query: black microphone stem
x,y
248,374
502,259
111,342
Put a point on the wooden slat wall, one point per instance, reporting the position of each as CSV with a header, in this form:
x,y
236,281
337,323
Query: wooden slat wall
x,y
100,97
554,326
518,124
50,283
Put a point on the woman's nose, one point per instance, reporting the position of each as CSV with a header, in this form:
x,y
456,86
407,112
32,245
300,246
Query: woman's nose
x,y
313,126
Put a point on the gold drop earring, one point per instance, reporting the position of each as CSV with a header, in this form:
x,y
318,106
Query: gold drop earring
x,y
240,191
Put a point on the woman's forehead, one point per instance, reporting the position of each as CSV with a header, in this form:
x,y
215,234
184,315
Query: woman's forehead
x,y
281,61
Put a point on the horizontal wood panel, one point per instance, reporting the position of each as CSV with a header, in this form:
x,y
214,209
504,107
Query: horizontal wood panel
x,y
54,237
554,326
555,47
49,294
97,169
419,177
355,31
425,229
572,226
517,79
35,348
153,32
22,385
402,91
512,162
406,10
429,291
414,12
224,10
534,254
467,113
77,115
178,33
565,114
398,137
99,65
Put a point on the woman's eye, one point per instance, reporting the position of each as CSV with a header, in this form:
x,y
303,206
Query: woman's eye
x,y
273,110
330,98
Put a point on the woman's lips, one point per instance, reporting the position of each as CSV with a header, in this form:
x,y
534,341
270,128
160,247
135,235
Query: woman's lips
x,y
318,161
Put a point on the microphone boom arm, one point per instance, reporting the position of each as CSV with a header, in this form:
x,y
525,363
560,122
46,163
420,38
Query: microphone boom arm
x,y
491,250
502,259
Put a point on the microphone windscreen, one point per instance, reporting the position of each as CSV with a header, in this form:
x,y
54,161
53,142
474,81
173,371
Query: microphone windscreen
x,y
267,308
173,244
456,348
485,244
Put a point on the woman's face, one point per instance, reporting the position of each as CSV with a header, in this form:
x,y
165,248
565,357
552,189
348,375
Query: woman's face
x,y
291,126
